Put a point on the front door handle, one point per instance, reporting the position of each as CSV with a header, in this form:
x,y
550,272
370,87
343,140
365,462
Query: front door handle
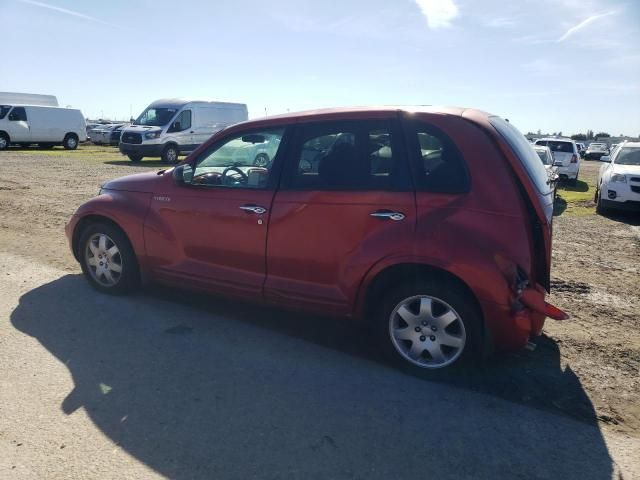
x,y
257,209
388,214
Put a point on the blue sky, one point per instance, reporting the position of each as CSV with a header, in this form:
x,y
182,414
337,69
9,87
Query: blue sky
x,y
555,65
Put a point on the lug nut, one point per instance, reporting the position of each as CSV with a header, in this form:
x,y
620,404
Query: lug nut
x,y
432,338
434,328
422,338
418,329
424,323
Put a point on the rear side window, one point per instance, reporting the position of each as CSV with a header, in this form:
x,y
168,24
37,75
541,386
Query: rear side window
x,y
18,114
348,156
525,153
440,167
4,109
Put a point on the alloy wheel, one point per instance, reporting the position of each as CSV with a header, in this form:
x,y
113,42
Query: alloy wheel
x,y
104,260
427,331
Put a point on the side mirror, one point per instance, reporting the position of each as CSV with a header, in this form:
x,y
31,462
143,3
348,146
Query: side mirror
x,y
183,174
605,158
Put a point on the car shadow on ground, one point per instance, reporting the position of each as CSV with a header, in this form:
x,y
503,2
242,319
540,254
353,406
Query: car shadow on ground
x,y
580,186
197,387
630,218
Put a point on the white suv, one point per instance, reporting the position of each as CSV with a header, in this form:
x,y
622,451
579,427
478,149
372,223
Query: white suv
x,y
565,157
618,184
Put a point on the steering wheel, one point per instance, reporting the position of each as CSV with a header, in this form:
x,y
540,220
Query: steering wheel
x,y
229,179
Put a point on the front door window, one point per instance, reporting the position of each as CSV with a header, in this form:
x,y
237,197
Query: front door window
x,y
243,161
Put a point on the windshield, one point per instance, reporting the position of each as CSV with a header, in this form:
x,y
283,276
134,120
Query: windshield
x,y
156,117
628,156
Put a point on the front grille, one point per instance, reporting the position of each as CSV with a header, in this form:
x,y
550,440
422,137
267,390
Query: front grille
x,y
635,188
129,137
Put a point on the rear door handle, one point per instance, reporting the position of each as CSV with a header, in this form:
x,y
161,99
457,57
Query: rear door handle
x,y
257,209
388,214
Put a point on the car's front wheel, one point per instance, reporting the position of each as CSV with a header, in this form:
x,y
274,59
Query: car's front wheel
x,y
428,325
135,158
107,259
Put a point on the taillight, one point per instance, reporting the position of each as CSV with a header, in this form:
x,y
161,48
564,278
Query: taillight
x,y
574,158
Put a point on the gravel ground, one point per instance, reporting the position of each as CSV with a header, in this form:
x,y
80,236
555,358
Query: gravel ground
x,y
63,349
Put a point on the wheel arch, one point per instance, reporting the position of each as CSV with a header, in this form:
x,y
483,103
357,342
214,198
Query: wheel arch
x,y
406,271
87,220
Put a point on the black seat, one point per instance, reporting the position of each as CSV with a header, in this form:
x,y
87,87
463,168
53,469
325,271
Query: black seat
x,y
342,167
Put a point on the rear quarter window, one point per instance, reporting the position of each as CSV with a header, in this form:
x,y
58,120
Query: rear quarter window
x,y
525,153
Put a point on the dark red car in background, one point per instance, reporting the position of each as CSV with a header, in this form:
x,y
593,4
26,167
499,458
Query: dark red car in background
x,y
432,225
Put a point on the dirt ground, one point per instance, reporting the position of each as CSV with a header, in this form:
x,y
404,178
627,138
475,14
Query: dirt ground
x,y
596,278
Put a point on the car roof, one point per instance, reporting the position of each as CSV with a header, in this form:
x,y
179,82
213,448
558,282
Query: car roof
x,y
630,144
181,102
553,139
352,112
541,147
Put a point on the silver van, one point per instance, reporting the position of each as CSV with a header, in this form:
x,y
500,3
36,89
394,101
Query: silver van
x,y
170,127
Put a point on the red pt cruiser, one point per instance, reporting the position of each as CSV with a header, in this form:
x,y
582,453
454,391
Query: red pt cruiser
x,y
432,225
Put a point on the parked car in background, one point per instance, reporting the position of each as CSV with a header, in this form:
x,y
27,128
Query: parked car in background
x,y
397,222
102,136
581,149
95,134
170,127
618,184
595,151
114,137
546,156
565,157
46,126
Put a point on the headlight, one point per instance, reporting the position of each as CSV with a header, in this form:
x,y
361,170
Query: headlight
x,y
150,135
617,177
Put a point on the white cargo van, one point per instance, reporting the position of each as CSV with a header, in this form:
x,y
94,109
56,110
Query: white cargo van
x,y
46,126
172,126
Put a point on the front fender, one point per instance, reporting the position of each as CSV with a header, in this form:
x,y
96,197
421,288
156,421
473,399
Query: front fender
x,y
128,210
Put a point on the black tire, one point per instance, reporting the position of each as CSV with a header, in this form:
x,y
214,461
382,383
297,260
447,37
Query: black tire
x,y
448,293
600,208
170,154
4,141
135,158
70,141
129,278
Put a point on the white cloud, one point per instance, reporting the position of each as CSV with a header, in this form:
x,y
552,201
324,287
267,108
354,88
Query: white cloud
x,y
67,12
439,13
499,22
583,24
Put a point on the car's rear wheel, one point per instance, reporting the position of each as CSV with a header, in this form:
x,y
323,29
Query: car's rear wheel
x,y
4,141
170,154
135,158
428,325
70,141
107,259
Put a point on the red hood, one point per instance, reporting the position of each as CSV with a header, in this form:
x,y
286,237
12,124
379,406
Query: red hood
x,y
139,182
